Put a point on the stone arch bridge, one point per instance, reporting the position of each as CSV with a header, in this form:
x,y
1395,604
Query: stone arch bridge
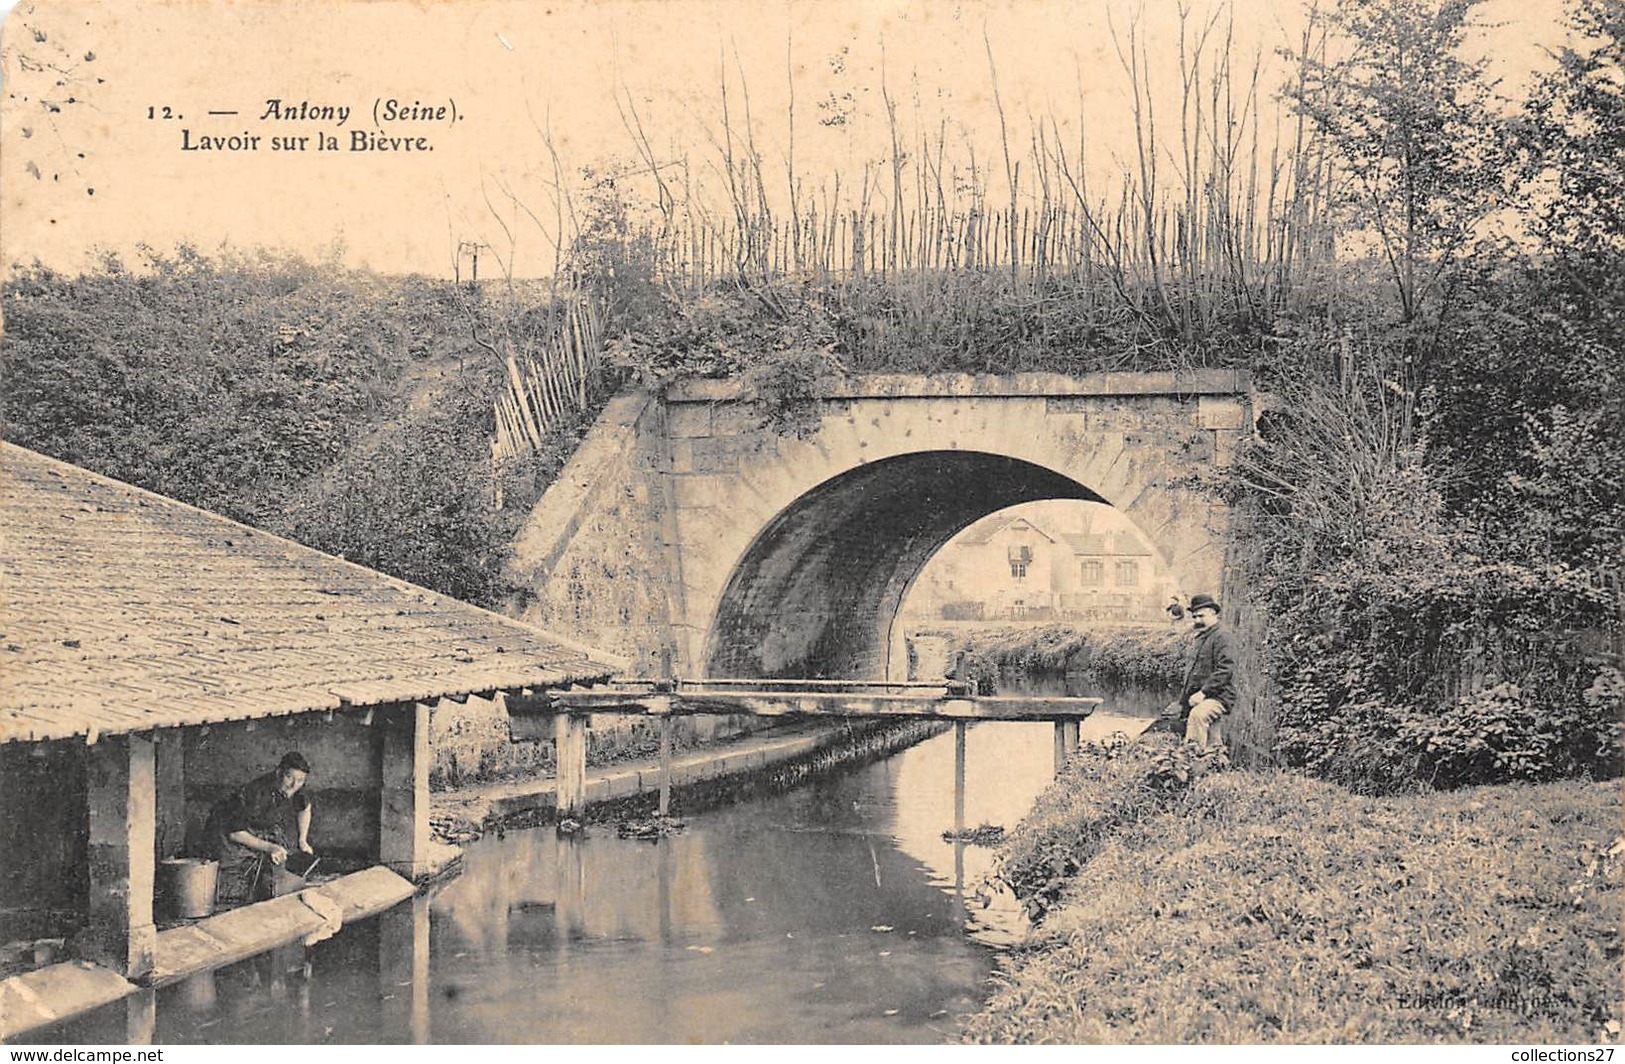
x,y
690,537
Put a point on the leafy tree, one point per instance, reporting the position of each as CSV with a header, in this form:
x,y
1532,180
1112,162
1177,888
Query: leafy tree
x,y
1436,516
1536,394
1415,135
1576,139
1420,155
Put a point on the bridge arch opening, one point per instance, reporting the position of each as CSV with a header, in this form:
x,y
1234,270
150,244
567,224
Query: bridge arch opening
x,y
817,590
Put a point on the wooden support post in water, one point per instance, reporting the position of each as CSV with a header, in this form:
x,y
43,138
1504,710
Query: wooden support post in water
x,y
959,778
1060,746
123,811
668,682
403,792
959,820
569,891
570,750
1071,729
665,767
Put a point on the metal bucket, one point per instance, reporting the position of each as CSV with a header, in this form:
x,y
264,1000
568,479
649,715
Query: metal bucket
x,y
186,887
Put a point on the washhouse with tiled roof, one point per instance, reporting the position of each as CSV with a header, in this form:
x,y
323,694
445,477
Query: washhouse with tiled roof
x,y
122,610
154,656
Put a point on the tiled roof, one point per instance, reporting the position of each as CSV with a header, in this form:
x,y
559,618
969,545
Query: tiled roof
x,y
1105,544
121,611
984,530
1087,543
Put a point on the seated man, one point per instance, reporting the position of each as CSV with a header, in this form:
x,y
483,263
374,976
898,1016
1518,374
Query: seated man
x,y
1210,686
255,825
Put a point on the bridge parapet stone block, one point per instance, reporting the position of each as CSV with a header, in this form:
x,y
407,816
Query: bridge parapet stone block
x,y
705,390
688,420
1142,384
1222,412
735,419
1226,442
1105,411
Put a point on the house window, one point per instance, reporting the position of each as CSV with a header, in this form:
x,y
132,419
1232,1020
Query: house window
x,y
1018,570
1020,558
1128,574
1094,573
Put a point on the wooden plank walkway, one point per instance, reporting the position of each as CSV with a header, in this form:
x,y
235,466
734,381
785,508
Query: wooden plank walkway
x,y
563,715
698,699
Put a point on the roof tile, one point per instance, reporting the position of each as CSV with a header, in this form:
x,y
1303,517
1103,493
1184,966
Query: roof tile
x,y
121,610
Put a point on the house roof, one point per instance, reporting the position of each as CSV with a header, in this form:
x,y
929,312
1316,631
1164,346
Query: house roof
x,y
1086,543
984,531
1105,545
122,610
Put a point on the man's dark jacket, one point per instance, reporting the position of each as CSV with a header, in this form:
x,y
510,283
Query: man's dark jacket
x,y
1213,668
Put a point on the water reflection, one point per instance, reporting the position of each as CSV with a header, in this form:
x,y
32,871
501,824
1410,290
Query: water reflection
x,y
403,970
829,914
797,918
1006,766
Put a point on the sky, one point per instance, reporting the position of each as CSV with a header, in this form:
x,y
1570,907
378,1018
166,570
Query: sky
x,y
486,92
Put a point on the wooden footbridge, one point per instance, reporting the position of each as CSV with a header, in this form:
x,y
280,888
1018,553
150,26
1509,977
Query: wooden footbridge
x,y
563,716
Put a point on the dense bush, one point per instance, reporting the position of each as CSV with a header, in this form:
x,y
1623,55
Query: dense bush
x,y
1406,645
220,381
1144,657
345,410
1433,518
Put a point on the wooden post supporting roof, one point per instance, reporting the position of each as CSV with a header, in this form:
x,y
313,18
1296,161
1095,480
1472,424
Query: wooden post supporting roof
x,y
403,796
123,810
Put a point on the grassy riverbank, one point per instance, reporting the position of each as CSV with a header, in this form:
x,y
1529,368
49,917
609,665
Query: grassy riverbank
x,y
1267,907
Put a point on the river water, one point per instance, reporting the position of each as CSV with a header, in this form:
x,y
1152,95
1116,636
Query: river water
x,y
832,913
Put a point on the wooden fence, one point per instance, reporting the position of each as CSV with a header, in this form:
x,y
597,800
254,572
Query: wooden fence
x,y
550,379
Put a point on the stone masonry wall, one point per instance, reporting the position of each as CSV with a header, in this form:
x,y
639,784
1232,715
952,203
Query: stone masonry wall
x,y
593,552
633,548
595,557
1146,443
